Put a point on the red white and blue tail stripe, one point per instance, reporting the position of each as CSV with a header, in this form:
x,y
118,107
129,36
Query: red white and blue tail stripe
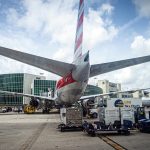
x,y
79,32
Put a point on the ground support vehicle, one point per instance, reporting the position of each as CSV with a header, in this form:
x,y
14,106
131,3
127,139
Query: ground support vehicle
x,y
98,128
71,119
111,120
115,116
28,109
144,125
3,110
93,113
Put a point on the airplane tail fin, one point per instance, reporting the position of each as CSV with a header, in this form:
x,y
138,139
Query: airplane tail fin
x,y
79,32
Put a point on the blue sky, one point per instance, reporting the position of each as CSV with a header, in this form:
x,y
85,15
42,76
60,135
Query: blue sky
x,y
113,30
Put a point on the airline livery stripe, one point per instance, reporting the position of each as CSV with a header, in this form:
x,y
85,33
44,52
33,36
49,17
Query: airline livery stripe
x,y
79,41
78,51
65,81
80,20
79,31
78,54
81,9
81,1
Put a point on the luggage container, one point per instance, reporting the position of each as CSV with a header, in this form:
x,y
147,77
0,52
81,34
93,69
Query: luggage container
x,y
71,118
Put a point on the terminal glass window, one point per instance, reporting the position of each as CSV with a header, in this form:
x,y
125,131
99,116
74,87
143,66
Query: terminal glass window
x,y
91,90
43,86
12,83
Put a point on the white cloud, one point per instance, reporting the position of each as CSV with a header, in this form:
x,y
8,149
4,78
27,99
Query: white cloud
x,y
143,7
97,30
62,54
57,22
141,45
106,8
12,15
50,20
17,41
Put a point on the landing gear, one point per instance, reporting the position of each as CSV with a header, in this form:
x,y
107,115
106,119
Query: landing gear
x,y
46,107
94,115
46,111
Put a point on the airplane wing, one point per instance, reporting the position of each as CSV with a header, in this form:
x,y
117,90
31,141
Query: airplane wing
x,y
57,67
112,93
28,95
111,66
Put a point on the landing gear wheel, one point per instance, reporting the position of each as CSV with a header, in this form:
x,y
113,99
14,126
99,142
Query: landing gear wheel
x,y
95,115
62,129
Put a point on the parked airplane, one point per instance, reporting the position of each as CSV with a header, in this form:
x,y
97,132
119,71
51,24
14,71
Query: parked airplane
x,y
75,76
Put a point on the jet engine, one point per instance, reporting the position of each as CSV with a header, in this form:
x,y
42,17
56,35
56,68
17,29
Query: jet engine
x,y
87,103
32,106
34,103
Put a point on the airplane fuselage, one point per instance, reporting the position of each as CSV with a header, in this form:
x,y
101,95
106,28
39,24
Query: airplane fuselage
x,y
72,86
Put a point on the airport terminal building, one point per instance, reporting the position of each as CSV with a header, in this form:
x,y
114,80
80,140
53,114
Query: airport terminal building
x,y
30,84
16,82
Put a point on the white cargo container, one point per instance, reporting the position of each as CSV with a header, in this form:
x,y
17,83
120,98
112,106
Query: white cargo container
x,y
127,114
71,116
116,114
111,115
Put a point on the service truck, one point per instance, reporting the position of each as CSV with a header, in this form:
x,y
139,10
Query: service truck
x,y
111,120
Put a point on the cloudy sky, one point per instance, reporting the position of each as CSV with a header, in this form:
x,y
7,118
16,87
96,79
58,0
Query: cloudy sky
x,y
113,30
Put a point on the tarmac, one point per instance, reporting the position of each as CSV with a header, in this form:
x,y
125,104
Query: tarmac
x,y
39,132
